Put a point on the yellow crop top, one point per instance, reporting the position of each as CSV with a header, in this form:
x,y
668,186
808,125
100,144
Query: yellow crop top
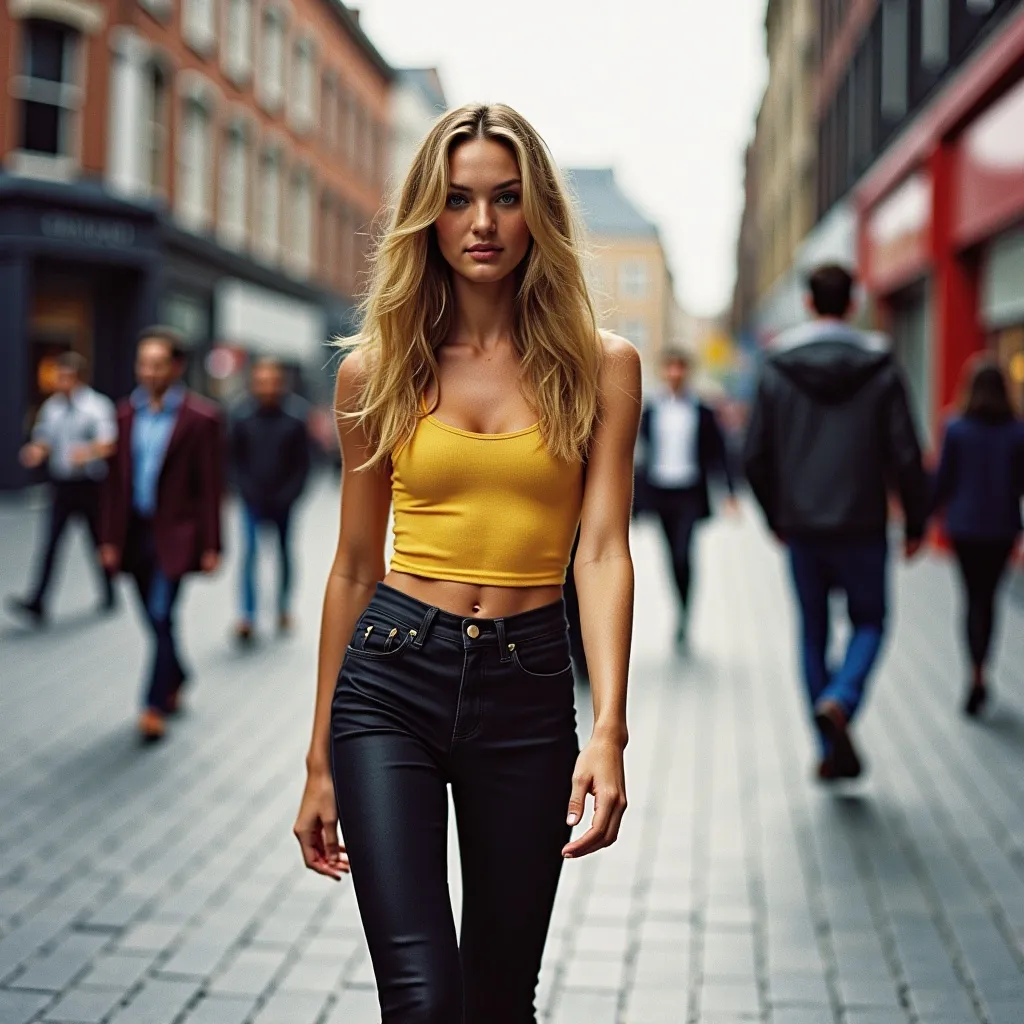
x,y
492,509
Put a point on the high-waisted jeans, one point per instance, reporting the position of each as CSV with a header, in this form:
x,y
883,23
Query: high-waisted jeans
x,y
427,699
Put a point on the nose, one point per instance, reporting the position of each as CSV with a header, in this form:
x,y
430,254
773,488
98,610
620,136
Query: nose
x,y
483,218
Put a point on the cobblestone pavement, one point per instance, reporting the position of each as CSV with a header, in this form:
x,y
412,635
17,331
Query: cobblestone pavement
x,y
163,886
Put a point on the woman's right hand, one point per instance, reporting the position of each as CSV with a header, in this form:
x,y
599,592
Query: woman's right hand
x,y
316,827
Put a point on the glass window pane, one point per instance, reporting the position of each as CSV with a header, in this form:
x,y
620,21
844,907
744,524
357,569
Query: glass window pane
x,y
44,54
934,33
41,128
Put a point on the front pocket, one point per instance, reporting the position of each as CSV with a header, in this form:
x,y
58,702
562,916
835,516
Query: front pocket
x,y
542,661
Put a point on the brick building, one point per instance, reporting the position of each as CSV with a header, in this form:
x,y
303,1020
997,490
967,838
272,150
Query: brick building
x,y
212,164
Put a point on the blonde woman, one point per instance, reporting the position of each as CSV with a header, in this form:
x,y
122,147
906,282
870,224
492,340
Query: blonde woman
x,y
476,392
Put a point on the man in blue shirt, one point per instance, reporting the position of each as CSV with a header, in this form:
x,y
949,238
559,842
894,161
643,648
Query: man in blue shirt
x,y
161,509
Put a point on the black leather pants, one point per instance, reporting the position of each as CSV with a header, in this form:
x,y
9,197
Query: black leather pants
x,y
426,699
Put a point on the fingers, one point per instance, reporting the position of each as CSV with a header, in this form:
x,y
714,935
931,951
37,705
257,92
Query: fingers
x,y
581,785
333,850
609,806
311,842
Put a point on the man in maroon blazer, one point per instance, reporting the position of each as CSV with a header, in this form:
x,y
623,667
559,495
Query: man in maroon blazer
x,y
161,503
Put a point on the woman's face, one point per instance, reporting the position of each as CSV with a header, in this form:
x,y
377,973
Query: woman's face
x,y
482,232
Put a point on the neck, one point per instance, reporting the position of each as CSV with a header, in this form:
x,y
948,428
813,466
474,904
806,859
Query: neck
x,y
483,314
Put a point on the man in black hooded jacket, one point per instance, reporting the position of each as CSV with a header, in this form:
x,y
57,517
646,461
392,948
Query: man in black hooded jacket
x,y
830,434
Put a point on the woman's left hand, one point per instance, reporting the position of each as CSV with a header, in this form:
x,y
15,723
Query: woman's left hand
x,y
599,771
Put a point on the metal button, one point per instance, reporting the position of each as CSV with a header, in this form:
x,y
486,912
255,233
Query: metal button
x,y
472,631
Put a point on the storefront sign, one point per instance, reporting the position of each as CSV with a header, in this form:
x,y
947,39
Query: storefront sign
x,y
107,234
990,170
898,234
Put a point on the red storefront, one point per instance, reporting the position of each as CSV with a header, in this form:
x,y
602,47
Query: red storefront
x,y
941,228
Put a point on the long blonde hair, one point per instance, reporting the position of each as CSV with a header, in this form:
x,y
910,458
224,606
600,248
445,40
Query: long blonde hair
x,y
409,307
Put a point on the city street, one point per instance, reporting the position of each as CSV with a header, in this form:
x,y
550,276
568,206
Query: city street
x,y
163,886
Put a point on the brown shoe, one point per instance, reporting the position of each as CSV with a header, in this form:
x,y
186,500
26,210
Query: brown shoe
x,y
827,770
243,633
151,725
830,718
173,702
285,624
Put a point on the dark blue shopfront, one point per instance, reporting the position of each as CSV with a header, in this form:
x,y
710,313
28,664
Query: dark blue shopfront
x,y
79,271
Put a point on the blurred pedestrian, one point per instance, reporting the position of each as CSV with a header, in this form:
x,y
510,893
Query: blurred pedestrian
x,y
830,426
683,447
477,387
74,435
161,505
270,460
980,485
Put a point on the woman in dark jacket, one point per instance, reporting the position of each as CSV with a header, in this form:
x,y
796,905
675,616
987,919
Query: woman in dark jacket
x,y
980,483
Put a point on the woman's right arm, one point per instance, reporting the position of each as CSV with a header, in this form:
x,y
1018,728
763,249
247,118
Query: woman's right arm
x,y
357,569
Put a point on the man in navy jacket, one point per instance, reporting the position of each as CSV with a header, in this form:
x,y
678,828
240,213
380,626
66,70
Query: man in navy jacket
x,y
683,446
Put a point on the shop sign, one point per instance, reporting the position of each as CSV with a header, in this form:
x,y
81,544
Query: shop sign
x,y
991,170
107,234
898,233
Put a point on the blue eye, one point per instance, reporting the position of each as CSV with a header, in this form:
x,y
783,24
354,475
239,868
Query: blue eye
x,y
455,200
508,199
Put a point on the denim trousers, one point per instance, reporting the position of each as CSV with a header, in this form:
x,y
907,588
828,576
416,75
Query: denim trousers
x,y
857,568
426,700
252,518
158,596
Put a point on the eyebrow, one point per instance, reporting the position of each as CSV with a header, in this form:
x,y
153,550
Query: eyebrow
x,y
497,188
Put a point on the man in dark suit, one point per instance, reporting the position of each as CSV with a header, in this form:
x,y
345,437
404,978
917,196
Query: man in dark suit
x,y
161,504
682,446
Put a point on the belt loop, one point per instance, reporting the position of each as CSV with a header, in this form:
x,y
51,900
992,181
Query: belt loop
x,y
424,627
503,648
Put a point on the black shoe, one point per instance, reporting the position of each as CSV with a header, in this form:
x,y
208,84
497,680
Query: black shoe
x,y
31,610
682,639
976,700
831,720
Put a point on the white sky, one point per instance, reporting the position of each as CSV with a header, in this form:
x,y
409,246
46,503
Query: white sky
x,y
665,91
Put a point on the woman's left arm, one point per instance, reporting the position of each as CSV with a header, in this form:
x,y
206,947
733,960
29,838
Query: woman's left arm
x,y
604,583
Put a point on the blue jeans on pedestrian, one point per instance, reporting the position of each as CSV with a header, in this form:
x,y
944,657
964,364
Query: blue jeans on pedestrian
x,y
857,568
158,595
280,519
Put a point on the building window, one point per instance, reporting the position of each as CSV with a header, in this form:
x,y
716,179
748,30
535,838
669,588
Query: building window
x,y
272,59
154,129
895,37
633,279
270,204
302,85
329,110
238,40
326,239
199,27
48,90
194,165
300,221
934,34
234,187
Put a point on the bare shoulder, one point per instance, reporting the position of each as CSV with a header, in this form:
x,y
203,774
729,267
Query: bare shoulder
x,y
620,372
348,384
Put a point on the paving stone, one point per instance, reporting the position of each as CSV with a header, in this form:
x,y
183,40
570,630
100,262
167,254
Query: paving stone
x,y
117,970
158,1002
356,1006
84,1005
587,1008
21,1007
214,1009
291,1008
55,969
250,973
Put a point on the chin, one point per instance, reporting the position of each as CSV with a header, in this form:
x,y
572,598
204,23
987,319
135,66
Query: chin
x,y
483,273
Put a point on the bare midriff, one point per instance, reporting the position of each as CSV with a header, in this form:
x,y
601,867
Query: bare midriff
x,y
473,600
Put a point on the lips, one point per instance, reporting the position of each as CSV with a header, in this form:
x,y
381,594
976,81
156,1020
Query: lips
x,y
482,248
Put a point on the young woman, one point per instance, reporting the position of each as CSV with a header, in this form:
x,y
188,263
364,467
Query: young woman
x,y
980,483
474,397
